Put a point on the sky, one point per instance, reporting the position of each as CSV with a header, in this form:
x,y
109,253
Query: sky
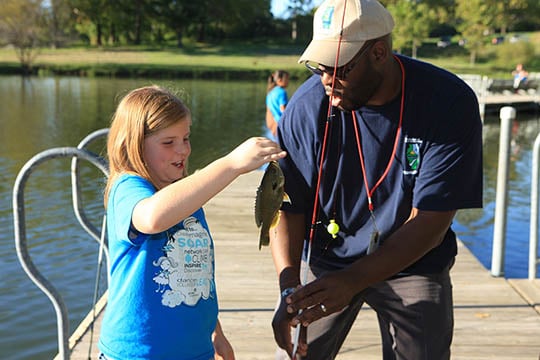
x,y
279,7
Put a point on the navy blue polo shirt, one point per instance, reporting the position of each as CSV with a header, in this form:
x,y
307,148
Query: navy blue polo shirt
x,y
437,165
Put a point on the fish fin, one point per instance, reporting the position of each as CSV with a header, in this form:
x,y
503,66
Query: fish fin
x,y
286,198
258,216
275,220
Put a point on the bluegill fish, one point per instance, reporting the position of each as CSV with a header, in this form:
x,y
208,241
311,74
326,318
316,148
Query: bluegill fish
x,y
270,196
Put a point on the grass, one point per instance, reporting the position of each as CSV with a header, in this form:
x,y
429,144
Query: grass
x,y
238,60
200,61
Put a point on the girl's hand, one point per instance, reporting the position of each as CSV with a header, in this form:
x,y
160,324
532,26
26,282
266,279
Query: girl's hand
x,y
222,347
255,152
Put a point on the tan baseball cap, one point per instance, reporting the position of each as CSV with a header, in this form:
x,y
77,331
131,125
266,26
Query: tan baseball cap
x,y
364,20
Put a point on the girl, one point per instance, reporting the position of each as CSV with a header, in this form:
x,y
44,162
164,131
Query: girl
x,y
276,99
162,300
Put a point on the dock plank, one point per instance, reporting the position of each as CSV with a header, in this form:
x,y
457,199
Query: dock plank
x,y
492,103
492,320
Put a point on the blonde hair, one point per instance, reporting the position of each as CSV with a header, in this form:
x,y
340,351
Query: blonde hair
x,y
141,113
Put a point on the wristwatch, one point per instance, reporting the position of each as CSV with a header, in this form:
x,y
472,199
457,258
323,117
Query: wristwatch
x,y
288,291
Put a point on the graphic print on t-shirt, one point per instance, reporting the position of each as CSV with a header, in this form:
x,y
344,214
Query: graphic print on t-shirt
x,y
186,273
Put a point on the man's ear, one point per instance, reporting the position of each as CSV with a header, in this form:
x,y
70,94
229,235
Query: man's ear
x,y
380,50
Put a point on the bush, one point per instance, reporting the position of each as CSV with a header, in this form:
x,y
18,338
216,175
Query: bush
x,y
510,54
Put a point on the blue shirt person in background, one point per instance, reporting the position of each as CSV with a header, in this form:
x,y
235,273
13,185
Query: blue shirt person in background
x,y
162,300
370,214
276,99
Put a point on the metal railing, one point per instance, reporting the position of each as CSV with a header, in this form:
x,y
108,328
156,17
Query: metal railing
x,y
507,115
534,260
19,220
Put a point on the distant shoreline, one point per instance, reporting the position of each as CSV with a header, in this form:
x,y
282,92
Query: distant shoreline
x,y
250,63
235,61
136,71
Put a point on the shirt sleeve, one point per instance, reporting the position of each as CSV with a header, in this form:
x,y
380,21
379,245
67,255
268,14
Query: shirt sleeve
x,y
126,194
450,176
282,98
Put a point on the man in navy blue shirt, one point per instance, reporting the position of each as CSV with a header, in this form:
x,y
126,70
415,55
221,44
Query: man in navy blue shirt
x,y
382,152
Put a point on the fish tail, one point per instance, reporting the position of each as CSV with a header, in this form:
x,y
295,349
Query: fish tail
x,y
264,239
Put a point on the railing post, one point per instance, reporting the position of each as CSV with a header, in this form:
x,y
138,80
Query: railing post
x,y
533,233
507,114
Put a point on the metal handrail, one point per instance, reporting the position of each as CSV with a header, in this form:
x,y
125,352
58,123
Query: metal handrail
x,y
507,115
20,234
100,237
75,189
534,260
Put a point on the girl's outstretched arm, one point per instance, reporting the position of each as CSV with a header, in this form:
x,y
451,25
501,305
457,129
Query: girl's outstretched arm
x,y
180,199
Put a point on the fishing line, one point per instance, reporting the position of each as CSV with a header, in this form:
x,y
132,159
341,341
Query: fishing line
x,y
319,178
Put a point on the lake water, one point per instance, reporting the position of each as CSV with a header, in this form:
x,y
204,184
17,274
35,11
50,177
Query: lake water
x,y
40,113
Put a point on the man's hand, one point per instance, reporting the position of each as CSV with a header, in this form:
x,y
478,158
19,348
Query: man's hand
x,y
282,327
322,297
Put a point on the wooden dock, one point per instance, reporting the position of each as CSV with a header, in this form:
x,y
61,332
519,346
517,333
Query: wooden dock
x,y
492,103
495,319
493,94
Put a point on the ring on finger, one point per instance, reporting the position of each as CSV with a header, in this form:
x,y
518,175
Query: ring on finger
x,y
323,308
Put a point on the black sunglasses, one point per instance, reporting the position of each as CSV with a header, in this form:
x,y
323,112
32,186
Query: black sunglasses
x,y
342,71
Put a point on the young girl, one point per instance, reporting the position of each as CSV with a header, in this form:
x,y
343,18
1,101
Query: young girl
x,y
276,99
162,300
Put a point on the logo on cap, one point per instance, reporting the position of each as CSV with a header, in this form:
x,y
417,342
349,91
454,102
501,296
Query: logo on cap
x,y
327,17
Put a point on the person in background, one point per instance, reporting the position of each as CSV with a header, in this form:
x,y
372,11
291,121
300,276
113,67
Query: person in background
x,y
520,76
162,301
276,99
402,153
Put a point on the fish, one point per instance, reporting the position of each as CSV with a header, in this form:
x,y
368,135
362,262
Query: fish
x,y
270,196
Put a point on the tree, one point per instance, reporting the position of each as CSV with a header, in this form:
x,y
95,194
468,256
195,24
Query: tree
x,y
298,8
60,21
474,22
506,12
178,15
96,12
22,25
413,21
129,20
243,18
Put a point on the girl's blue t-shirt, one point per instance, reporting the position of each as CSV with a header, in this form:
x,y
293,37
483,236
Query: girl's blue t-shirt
x,y
437,164
162,301
276,98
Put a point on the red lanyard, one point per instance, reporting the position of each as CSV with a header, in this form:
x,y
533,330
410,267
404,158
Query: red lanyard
x,y
369,191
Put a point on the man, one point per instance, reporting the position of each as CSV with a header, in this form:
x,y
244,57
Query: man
x,y
401,152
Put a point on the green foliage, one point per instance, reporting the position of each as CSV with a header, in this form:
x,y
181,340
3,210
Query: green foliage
x,y
237,60
413,21
509,54
505,13
168,24
474,24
